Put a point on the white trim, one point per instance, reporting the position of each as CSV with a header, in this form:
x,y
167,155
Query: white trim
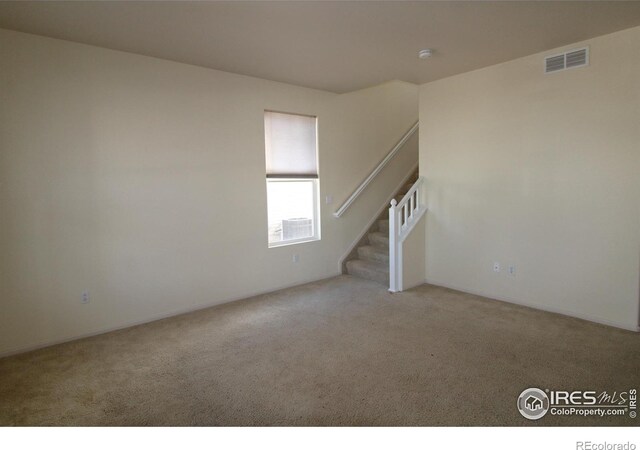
x,y
376,171
294,241
374,219
156,317
395,251
550,309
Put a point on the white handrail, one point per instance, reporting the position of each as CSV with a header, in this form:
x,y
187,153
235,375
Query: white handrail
x,y
403,217
377,170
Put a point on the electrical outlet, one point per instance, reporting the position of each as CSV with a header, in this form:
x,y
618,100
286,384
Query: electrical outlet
x,y
85,297
496,267
512,270
328,199
296,258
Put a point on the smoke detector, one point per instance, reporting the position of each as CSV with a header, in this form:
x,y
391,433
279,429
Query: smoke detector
x,y
426,53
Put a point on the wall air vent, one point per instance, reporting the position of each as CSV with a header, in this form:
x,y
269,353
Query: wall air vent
x,y
554,63
568,60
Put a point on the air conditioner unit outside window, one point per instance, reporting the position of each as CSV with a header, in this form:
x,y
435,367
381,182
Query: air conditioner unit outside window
x,y
297,228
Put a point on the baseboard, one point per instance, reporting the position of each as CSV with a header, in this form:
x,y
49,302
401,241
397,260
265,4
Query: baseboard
x,y
560,311
373,220
153,318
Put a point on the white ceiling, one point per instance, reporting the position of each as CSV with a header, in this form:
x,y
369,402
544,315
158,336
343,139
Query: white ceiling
x,y
336,46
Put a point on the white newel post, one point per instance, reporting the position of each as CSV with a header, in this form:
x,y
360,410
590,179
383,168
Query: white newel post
x,y
393,247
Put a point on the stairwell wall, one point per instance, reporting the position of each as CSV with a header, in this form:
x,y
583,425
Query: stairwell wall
x,y
142,181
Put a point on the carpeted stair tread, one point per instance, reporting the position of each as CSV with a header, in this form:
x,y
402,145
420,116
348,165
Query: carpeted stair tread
x,y
379,239
369,270
373,253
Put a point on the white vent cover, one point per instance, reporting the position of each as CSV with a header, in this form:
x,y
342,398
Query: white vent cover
x,y
573,58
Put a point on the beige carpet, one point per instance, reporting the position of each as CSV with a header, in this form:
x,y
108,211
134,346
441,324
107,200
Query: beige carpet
x,y
337,352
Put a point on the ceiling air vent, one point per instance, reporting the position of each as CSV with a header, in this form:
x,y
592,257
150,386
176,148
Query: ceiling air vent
x,y
568,60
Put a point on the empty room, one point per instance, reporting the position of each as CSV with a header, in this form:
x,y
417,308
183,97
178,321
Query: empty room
x,y
320,214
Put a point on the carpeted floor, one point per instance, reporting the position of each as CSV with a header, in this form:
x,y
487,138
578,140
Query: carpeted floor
x,y
337,352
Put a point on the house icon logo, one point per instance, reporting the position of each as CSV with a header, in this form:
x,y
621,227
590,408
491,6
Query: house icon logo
x,y
533,403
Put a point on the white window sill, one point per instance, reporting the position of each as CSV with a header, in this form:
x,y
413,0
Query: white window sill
x,y
293,242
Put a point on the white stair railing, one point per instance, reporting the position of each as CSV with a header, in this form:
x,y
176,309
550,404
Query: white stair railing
x,y
403,217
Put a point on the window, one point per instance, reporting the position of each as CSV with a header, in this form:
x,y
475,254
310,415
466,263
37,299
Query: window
x,y
292,178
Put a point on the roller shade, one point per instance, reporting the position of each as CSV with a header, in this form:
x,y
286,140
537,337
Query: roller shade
x,y
290,142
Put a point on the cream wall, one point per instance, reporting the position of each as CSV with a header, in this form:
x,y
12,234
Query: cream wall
x,y
142,181
541,172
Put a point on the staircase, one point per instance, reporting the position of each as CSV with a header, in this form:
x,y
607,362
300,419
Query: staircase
x,y
370,260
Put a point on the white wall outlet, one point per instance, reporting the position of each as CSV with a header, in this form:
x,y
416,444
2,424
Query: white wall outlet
x,y
496,267
85,297
296,258
512,270
328,199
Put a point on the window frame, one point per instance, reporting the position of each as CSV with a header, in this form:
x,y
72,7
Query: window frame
x,y
315,209
316,219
